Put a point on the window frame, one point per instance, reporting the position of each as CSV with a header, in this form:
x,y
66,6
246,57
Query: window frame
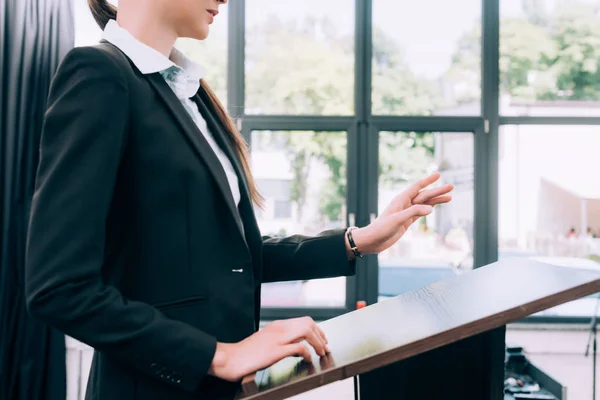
x,y
363,129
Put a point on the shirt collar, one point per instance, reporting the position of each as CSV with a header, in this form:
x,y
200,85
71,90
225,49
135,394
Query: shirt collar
x,y
147,59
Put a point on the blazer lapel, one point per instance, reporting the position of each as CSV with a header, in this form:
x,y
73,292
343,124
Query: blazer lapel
x,y
198,143
246,211
222,139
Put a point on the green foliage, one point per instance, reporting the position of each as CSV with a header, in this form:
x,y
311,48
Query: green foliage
x,y
577,36
526,52
550,54
305,67
299,68
463,73
594,257
404,157
396,89
328,148
332,152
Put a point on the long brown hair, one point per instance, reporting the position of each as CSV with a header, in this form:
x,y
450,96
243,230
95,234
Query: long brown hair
x,y
103,12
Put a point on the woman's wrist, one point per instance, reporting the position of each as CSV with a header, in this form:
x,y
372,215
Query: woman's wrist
x,y
358,236
219,364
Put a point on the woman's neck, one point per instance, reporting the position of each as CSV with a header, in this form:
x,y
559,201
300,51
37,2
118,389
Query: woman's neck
x,y
147,28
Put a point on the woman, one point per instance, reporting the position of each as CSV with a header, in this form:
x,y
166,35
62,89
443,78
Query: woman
x,y
143,241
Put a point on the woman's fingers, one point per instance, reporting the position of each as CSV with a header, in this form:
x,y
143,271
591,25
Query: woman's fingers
x,y
297,349
438,200
282,339
315,340
295,328
321,334
425,195
414,189
305,329
412,213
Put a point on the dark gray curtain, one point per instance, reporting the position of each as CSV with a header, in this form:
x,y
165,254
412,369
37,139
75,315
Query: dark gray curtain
x,y
34,37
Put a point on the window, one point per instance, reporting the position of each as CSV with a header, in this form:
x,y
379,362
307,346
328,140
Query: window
x,y
441,244
302,176
550,199
283,209
549,58
426,57
299,61
87,32
300,57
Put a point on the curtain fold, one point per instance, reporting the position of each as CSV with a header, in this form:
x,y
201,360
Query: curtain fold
x,y
34,37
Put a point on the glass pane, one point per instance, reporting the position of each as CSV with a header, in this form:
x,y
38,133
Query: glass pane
x,y
549,57
549,205
300,57
211,54
440,245
426,57
87,32
302,176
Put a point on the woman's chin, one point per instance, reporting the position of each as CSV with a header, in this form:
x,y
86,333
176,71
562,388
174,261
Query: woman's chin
x,y
200,33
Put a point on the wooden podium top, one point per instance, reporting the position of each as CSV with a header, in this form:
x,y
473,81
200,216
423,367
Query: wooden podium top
x,y
425,319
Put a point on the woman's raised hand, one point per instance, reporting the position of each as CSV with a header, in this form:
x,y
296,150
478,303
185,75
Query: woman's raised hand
x,y
414,202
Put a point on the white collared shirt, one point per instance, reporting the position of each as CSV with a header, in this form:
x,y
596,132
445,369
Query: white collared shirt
x,y
183,77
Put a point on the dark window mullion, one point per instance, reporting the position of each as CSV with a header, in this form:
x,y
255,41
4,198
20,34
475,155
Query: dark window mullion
x,y
549,120
319,314
365,287
426,124
486,143
363,51
297,123
236,58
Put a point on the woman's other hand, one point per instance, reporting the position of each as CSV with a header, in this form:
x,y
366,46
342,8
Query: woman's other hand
x,y
276,341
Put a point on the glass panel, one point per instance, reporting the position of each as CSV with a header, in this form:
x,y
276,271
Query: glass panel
x,y
87,32
300,57
549,205
549,57
426,57
440,245
211,54
302,176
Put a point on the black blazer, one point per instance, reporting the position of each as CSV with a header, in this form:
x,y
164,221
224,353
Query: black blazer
x,y
134,235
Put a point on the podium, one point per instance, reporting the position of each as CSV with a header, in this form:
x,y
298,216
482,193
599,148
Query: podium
x,y
442,341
